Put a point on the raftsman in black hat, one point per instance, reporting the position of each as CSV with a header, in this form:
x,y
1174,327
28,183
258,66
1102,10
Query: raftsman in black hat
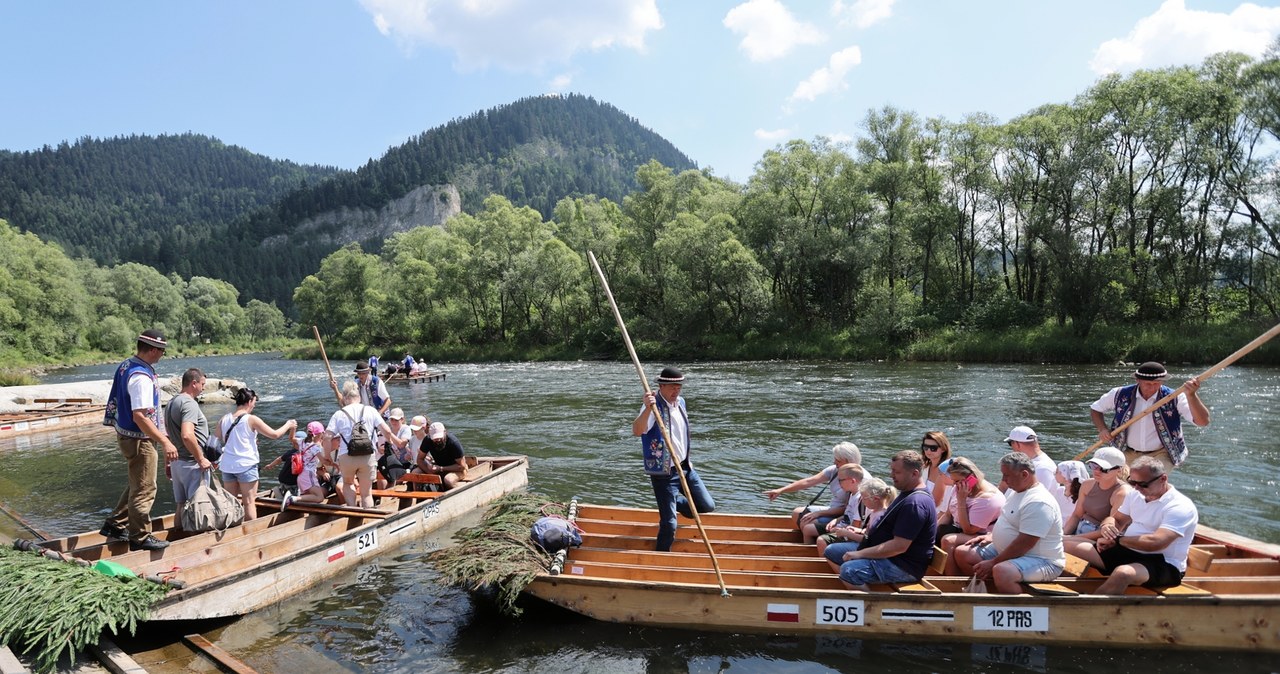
x,y
1151,371
671,375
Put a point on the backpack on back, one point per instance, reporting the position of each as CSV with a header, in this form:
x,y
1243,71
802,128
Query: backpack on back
x,y
360,443
296,464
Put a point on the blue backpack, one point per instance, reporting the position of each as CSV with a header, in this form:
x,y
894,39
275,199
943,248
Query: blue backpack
x,y
554,534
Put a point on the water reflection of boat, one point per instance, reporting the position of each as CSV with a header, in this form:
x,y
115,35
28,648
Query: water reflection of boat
x,y
779,586
282,553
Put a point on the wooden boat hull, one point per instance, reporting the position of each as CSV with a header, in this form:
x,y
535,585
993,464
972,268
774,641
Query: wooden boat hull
x,y
280,554
422,377
780,587
56,417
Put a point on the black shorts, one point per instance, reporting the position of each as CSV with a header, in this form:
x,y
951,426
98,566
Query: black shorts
x,y
1162,573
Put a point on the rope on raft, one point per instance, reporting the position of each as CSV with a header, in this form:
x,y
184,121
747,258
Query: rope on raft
x,y
48,607
498,553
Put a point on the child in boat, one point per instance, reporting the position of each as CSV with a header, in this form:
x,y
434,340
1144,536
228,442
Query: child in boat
x,y
310,487
876,496
847,527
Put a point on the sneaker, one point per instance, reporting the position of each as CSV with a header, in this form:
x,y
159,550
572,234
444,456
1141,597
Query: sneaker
x,y
112,532
149,543
284,503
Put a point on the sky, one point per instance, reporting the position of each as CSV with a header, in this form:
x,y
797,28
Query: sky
x,y
338,82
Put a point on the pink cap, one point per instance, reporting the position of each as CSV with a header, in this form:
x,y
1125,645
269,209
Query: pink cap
x,y
315,428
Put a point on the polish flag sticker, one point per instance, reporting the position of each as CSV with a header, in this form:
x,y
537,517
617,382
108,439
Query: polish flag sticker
x,y
337,553
783,613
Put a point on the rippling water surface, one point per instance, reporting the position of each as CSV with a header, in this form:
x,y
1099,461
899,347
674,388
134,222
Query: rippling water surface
x,y
755,426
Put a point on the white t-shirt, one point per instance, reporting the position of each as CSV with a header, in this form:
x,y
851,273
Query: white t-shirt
x,y
1172,511
142,395
340,424
1047,476
1033,512
240,448
1142,435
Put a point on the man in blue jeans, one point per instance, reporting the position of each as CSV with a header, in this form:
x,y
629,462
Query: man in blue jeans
x,y
899,547
666,482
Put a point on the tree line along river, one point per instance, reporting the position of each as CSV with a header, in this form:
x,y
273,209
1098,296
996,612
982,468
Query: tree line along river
x,y
755,425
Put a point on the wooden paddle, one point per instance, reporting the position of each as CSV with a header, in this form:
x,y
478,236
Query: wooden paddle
x,y
1240,353
653,409
326,362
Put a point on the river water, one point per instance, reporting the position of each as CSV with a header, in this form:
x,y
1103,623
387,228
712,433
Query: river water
x,y
755,426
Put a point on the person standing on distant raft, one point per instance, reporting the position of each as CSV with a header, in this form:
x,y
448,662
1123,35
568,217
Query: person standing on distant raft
x,y
1159,434
660,464
133,408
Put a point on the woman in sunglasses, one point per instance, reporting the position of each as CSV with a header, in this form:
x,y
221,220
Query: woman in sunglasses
x,y
936,448
1100,496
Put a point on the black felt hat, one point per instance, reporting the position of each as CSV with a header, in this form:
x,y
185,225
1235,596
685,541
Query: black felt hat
x,y
671,375
1151,371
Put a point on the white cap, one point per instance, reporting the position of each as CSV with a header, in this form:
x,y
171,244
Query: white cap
x,y
1021,434
436,431
417,423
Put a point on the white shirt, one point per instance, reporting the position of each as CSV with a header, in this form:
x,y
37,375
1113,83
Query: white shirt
x,y
142,393
1033,512
1047,476
1142,435
1172,511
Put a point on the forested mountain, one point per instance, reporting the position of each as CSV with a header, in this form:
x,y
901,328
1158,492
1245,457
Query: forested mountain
x,y
534,152
128,199
190,204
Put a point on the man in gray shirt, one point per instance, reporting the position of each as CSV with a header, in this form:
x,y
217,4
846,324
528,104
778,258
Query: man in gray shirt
x,y
188,430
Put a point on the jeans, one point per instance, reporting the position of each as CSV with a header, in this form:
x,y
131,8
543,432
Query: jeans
x,y
666,489
868,571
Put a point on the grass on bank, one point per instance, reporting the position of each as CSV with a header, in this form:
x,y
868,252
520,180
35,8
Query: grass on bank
x,y
1045,343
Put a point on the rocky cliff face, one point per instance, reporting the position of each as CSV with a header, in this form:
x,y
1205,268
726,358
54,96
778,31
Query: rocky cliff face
x,y
425,206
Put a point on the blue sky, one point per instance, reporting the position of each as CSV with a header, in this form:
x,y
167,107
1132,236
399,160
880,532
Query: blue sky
x,y
338,82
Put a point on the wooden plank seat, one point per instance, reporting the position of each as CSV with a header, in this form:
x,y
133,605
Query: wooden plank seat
x,y
396,493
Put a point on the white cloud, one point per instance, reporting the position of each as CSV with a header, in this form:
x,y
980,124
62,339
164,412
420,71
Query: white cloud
x,y
768,29
561,82
518,35
1175,35
772,135
862,13
840,138
830,77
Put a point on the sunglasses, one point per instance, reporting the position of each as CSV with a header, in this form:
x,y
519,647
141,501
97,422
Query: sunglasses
x,y
1144,485
928,447
1100,469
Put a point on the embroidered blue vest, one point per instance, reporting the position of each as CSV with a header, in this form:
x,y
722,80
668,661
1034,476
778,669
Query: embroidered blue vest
x,y
374,400
657,460
119,411
1167,420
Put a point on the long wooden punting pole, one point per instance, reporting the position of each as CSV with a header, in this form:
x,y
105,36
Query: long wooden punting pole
x,y
326,362
653,409
1240,353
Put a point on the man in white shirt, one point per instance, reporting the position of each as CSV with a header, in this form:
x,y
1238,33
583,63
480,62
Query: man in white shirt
x,y
1025,544
1023,439
1151,537
1158,434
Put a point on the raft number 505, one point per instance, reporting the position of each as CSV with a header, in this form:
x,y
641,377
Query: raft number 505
x,y
840,612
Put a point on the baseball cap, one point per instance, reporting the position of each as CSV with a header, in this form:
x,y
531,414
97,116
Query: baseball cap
x,y
436,431
1021,434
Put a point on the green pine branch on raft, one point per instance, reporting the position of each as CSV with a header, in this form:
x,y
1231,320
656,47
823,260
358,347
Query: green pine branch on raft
x,y
49,607
499,552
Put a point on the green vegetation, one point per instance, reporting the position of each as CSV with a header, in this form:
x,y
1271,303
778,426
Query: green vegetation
x,y
55,310
1141,218
53,608
499,553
